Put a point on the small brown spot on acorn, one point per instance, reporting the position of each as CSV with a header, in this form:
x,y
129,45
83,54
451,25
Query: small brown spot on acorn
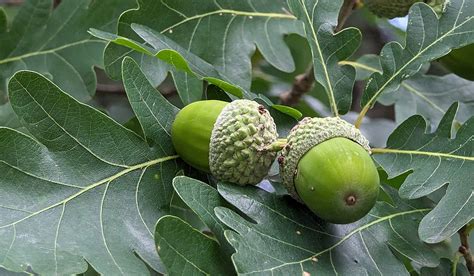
x,y
281,159
261,109
351,200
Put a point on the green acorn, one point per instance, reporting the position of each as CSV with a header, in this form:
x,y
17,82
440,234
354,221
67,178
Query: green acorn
x,y
399,8
326,165
229,140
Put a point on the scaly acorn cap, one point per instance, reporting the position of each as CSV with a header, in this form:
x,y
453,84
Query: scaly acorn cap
x,y
400,8
239,143
309,133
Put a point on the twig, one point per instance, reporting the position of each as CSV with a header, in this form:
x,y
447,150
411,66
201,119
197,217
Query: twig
x,y
464,248
303,84
346,11
110,88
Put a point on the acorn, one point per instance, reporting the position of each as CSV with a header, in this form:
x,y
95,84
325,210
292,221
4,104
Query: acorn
x,y
326,165
399,8
231,141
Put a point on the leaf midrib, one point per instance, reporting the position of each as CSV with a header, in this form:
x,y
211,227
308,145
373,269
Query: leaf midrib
x,y
367,106
332,99
426,153
96,184
50,51
228,11
346,237
66,131
408,87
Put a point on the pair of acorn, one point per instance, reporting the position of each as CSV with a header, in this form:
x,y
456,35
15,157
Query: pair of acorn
x,y
325,163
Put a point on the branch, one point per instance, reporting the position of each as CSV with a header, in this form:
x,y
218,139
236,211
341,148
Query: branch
x,y
464,248
303,84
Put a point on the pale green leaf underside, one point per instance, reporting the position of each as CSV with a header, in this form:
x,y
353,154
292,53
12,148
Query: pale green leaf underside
x,y
83,189
426,95
428,38
435,160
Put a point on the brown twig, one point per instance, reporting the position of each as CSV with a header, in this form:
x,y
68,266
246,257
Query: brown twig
x,y
110,88
345,12
118,89
464,249
303,84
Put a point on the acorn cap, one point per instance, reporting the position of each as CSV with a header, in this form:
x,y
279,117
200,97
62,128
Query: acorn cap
x,y
400,8
309,133
239,143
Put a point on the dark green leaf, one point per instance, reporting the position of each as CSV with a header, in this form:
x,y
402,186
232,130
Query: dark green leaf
x,y
445,268
186,251
190,89
154,112
224,34
202,199
170,52
435,160
285,238
56,43
320,18
288,111
84,188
